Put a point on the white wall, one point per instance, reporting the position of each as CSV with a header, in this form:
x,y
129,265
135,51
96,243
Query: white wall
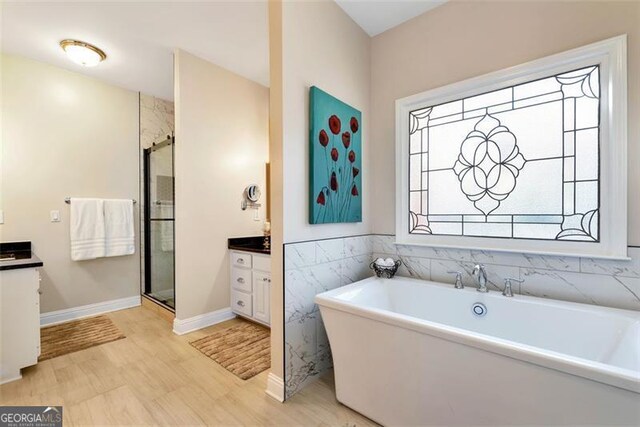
x,y
321,47
460,40
64,134
222,134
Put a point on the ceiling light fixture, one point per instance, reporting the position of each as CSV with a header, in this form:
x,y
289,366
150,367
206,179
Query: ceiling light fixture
x,y
83,53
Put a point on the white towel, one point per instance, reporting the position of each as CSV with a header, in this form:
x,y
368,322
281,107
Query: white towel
x,y
118,224
87,229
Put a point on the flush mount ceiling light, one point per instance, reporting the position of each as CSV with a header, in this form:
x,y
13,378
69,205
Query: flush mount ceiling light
x,y
83,53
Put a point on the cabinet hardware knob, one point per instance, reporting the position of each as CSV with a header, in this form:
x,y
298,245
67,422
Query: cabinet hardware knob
x,y
240,280
240,303
39,291
241,260
264,279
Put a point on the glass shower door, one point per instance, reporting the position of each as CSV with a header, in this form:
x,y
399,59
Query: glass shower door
x,y
159,223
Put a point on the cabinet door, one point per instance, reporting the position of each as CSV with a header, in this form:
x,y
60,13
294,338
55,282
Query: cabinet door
x,y
19,319
261,297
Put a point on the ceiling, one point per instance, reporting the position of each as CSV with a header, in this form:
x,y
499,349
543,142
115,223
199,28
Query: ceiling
x,y
378,16
139,37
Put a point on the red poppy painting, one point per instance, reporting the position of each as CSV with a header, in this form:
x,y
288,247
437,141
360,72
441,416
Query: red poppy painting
x,y
335,160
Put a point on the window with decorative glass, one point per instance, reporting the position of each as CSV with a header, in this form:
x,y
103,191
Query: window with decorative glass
x,y
527,155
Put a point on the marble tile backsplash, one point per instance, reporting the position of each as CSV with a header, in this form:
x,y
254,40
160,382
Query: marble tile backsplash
x,y
592,281
314,267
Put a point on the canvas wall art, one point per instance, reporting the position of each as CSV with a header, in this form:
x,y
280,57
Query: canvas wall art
x,y
335,160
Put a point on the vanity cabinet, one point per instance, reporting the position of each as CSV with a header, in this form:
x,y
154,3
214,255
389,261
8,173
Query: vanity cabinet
x,y
19,321
251,285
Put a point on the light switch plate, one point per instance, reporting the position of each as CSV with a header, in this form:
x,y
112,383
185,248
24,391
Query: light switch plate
x,y
55,216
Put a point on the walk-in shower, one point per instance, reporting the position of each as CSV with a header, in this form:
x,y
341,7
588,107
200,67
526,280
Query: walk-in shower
x,y
159,255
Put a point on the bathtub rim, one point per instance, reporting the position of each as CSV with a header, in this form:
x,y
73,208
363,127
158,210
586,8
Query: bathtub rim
x,y
596,371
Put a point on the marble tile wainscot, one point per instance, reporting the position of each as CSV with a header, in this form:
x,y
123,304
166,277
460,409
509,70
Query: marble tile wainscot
x,y
310,268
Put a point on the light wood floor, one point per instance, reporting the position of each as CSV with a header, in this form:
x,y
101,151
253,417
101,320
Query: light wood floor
x,y
154,377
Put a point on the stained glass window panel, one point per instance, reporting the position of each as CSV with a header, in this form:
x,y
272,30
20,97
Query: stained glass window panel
x,y
520,162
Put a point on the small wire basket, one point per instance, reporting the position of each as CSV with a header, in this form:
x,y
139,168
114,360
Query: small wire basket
x,y
385,272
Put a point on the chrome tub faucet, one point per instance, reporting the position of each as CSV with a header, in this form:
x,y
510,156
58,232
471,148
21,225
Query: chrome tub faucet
x,y
481,273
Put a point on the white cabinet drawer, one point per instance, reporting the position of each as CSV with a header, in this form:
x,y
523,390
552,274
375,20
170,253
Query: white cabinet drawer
x,y
241,259
241,279
262,263
241,303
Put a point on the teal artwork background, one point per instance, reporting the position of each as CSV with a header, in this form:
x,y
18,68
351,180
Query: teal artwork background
x,y
335,193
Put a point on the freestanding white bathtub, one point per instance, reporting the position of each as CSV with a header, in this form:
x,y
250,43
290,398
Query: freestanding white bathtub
x,y
412,352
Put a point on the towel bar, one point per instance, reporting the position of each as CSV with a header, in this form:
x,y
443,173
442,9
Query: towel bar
x,y
67,200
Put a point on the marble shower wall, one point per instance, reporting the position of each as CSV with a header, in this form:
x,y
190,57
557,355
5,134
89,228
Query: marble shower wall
x,y
157,119
312,268
585,280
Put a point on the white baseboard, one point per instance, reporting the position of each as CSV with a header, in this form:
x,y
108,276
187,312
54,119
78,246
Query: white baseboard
x,y
60,316
184,326
275,387
7,378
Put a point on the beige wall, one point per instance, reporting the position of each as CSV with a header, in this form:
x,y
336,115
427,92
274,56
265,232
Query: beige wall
x,y
460,40
277,185
322,47
64,134
221,147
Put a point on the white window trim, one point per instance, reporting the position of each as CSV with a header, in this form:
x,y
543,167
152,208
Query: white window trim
x,y
611,54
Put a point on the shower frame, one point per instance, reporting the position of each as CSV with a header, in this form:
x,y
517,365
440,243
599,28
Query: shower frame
x,y
147,219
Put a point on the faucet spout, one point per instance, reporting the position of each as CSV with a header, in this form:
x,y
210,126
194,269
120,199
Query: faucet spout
x,y
481,273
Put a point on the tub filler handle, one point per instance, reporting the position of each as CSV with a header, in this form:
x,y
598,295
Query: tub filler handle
x,y
459,284
507,286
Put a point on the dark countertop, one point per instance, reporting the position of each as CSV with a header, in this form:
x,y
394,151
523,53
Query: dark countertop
x,y
15,255
253,244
